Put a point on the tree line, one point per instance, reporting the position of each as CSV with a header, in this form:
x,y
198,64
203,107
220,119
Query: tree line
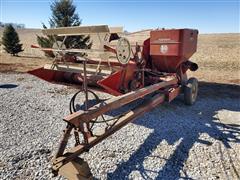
x,y
15,25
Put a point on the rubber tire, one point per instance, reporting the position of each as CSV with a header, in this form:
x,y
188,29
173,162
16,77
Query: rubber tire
x,y
191,91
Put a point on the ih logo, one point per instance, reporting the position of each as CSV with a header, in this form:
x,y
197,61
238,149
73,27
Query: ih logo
x,y
164,49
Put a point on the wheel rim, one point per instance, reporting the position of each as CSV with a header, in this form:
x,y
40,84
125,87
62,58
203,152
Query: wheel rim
x,y
194,92
81,105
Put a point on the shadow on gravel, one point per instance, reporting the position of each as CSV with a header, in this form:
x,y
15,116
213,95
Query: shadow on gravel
x,y
218,90
8,86
186,127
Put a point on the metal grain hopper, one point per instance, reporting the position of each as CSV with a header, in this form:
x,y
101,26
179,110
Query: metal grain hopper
x,y
154,71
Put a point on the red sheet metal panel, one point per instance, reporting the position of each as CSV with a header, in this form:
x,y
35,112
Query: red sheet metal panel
x,y
47,75
169,48
118,82
112,83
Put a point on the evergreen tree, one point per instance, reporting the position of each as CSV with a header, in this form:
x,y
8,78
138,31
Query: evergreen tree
x,y
11,41
63,15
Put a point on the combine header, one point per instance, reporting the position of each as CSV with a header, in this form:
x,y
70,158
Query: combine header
x,y
152,72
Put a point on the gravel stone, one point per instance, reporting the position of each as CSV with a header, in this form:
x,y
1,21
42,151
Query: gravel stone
x,y
173,141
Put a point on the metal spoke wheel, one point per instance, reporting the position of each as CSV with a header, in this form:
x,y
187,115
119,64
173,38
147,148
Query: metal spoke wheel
x,y
60,46
191,91
78,101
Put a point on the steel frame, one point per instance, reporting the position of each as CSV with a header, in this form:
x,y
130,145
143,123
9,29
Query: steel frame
x,y
80,119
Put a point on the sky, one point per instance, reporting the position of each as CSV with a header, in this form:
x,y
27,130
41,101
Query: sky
x,y
208,16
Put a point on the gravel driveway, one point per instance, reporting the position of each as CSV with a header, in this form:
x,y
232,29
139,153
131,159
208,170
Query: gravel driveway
x,y
173,141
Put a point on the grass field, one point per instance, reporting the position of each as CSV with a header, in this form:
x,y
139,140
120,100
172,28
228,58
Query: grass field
x,y
218,56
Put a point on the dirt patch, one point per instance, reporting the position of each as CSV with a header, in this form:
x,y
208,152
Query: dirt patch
x,y
235,81
63,91
10,67
22,63
20,79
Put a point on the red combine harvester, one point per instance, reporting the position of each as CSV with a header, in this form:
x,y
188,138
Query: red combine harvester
x,y
154,71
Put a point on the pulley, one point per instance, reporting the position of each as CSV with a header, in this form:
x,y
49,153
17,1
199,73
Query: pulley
x,y
123,50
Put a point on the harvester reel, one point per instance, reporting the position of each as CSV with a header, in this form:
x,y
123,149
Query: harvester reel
x,y
58,45
123,50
